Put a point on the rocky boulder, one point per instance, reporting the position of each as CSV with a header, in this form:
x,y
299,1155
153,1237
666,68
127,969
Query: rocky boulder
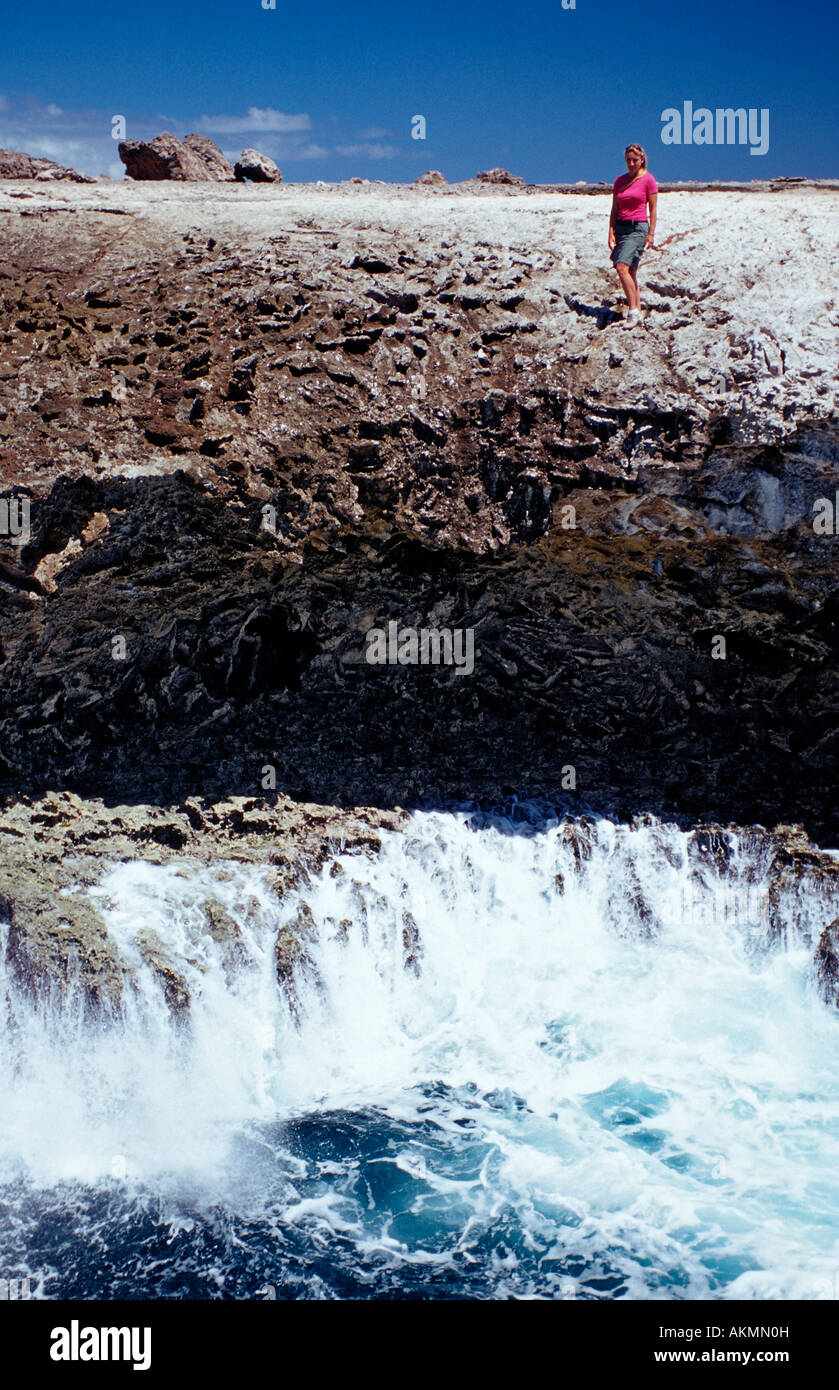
x,y
431,178
46,170
500,176
217,163
257,167
15,164
196,159
57,943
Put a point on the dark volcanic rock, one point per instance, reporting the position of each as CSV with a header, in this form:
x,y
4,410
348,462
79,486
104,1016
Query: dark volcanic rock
x,y
244,456
256,167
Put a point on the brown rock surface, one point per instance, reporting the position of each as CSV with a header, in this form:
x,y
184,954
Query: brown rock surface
x,y
257,168
14,164
55,852
304,413
193,160
216,163
500,176
52,851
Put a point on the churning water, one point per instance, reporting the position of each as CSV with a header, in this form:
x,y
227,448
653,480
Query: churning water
x,y
552,1059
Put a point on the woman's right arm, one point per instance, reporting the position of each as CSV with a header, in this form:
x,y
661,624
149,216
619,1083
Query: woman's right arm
x,y
612,215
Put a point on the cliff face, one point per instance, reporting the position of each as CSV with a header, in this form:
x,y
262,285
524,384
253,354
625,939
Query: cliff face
x,y
255,424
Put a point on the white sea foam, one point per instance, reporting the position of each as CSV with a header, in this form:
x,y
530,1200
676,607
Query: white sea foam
x,y
589,1019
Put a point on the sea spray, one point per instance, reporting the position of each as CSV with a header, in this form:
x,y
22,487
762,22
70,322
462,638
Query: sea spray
x,y
563,1058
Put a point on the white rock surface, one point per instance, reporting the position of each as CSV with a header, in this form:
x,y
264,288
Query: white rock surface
x,y
741,302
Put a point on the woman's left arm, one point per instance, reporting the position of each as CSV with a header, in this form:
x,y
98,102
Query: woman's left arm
x,y
652,201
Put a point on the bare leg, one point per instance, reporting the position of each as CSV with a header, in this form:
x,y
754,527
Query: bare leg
x,y
629,283
634,273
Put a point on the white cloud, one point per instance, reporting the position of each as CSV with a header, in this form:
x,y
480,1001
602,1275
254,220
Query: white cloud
x,y
375,132
288,153
82,139
265,118
88,155
368,151
311,151
79,139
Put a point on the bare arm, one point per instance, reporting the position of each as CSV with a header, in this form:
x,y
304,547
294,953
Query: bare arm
x,y
612,215
652,202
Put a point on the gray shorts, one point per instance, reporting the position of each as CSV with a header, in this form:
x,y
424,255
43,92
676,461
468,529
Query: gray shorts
x,y
629,242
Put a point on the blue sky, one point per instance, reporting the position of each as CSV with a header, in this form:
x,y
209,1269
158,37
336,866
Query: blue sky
x,y
329,90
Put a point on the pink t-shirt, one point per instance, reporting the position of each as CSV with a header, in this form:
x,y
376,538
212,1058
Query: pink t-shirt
x,y
632,202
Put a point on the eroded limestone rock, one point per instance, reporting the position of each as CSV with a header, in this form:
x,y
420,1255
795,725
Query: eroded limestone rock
x,y
256,167
378,405
194,159
15,164
500,176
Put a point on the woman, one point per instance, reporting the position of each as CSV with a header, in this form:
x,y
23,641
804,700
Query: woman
x,y
631,229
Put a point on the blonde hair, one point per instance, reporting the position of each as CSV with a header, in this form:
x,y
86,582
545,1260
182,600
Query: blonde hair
x,y
637,149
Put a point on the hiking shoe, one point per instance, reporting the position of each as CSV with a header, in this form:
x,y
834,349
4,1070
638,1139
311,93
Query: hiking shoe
x,y
633,317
